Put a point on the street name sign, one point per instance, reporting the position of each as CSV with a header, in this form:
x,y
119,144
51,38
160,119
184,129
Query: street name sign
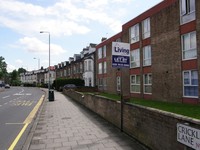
x,y
188,136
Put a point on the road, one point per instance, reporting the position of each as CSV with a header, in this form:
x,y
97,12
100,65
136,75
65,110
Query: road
x,y
16,104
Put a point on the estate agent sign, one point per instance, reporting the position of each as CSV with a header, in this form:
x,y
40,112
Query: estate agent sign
x,y
188,136
120,55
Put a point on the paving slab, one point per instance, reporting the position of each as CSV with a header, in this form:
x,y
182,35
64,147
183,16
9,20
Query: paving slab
x,y
66,125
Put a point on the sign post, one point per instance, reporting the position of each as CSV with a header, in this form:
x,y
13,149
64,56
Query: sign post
x,y
121,59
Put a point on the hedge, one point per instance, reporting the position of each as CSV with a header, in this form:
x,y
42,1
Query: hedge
x,y
61,82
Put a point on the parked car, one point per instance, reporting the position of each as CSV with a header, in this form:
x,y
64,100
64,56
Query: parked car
x,y
7,86
69,86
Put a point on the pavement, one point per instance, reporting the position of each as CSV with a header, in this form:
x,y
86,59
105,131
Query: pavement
x,y
64,124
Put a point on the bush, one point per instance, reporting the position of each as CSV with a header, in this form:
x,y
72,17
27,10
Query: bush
x,y
61,82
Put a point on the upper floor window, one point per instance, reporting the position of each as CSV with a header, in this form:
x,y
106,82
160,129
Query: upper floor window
x,y
100,53
135,58
147,56
187,8
81,68
146,28
104,51
90,65
134,34
189,46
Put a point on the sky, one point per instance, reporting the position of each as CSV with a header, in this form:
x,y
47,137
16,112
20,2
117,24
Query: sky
x,y
72,24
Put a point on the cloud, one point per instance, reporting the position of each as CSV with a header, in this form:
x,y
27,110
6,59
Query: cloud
x,y
19,61
65,17
34,45
10,67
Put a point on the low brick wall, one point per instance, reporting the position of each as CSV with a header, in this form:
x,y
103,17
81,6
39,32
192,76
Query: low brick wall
x,y
154,128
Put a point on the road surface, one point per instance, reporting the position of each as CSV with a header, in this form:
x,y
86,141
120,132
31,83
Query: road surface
x,y
16,104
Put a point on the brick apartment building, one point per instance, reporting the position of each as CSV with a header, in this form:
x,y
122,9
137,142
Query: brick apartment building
x,y
165,54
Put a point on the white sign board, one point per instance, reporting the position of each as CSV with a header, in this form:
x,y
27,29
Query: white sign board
x,y
120,54
188,136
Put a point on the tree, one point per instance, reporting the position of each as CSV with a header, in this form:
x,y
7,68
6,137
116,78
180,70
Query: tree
x,y
21,70
15,78
3,68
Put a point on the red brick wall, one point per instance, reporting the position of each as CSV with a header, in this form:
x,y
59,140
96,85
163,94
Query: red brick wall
x,y
166,54
154,128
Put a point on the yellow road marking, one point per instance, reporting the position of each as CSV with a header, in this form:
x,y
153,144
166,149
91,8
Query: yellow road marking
x,y
18,137
26,122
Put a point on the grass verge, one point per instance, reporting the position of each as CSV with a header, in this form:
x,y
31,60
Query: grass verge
x,y
188,110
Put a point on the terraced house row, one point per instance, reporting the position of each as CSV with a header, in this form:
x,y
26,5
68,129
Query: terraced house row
x,y
164,58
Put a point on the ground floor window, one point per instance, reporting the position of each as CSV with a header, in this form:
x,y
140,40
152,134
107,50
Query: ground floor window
x,y
118,83
147,83
135,83
190,83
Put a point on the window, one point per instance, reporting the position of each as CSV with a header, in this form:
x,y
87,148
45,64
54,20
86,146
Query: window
x,y
74,71
104,51
85,66
100,82
105,83
89,65
100,53
118,83
90,81
135,83
100,68
134,34
65,73
147,56
187,8
105,67
135,58
190,82
147,83
146,28
81,68
189,46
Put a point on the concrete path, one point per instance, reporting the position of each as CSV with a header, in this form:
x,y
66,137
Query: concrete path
x,y
66,125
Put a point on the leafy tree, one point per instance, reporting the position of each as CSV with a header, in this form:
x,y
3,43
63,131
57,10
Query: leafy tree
x,y
14,76
3,68
21,70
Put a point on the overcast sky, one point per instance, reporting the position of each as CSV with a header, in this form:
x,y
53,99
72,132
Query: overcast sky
x,y
72,24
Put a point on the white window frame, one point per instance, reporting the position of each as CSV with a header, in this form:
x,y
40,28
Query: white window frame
x,y
135,58
100,82
190,83
105,67
187,14
146,28
149,82
147,55
190,48
135,83
100,53
89,65
104,51
118,83
135,33
100,68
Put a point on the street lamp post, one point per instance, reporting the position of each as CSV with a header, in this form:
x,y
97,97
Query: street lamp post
x,y
49,63
38,62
